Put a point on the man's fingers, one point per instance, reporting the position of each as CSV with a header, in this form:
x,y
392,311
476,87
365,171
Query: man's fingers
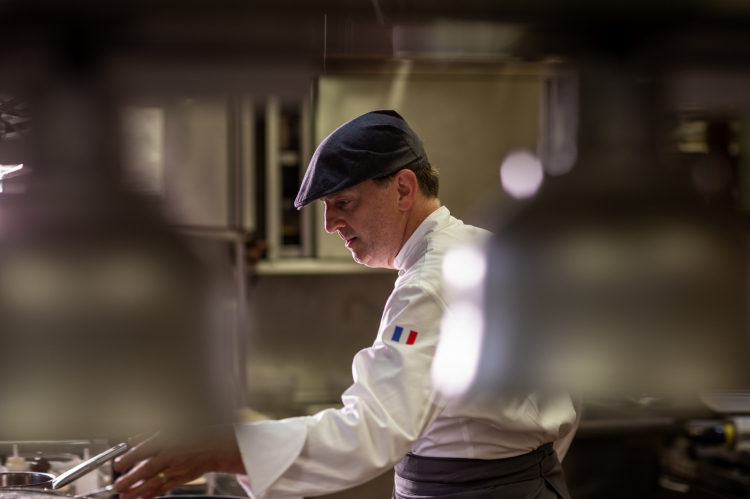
x,y
163,464
144,471
148,488
126,461
128,494
142,451
126,481
158,485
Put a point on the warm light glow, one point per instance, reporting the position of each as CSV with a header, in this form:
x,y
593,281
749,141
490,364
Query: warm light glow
x,y
5,169
462,329
457,355
521,174
464,267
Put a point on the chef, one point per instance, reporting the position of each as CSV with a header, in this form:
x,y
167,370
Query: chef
x,y
381,196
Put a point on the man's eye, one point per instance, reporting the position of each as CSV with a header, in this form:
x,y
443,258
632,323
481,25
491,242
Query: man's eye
x,y
343,203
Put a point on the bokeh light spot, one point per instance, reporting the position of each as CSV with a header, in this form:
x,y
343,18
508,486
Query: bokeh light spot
x,y
521,174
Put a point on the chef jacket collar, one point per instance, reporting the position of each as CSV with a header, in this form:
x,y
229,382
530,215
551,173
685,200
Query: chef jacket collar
x,y
413,249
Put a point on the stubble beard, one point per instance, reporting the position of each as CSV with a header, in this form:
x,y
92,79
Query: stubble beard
x,y
365,254
369,256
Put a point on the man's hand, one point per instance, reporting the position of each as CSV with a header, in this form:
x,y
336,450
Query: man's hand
x,y
163,462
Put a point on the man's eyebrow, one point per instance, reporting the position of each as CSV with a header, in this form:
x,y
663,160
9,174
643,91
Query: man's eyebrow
x,y
333,197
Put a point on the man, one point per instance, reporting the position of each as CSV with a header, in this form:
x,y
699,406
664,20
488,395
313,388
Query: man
x,y
381,197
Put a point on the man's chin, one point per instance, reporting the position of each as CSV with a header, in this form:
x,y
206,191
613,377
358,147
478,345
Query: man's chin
x,y
360,259
357,259
368,262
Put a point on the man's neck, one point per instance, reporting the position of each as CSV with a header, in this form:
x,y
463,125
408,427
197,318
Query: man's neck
x,y
420,211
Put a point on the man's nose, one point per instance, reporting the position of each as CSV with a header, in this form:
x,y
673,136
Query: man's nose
x,y
333,221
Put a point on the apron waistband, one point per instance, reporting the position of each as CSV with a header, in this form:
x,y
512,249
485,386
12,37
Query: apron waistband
x,y
433,476
458,470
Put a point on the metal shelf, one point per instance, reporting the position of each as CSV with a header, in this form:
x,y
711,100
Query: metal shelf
x,y
313,266
211,233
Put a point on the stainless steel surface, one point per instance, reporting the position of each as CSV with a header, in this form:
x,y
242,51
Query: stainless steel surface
x,y
728,402
273,178
241,325
26,479
30,493
243,219
81,443
109,489
88,466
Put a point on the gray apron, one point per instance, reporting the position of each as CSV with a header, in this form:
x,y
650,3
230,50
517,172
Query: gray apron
x,y
536,475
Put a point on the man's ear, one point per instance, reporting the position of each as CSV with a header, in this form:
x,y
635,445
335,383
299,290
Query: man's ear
x,y
406,185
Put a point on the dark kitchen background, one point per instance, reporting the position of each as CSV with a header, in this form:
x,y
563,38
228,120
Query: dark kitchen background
x,y
150,153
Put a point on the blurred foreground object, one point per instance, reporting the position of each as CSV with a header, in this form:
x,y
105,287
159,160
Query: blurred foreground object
x,y
104,313
615,280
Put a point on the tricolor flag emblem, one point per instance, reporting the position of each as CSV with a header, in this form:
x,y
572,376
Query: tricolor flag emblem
x,y
399,332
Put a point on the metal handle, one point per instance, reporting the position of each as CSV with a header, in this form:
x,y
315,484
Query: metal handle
x,y
88,466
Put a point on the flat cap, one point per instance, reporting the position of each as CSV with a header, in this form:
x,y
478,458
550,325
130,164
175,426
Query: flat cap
x,y
376,144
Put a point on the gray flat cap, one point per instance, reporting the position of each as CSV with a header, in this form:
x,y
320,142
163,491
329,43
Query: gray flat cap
x,y
373,145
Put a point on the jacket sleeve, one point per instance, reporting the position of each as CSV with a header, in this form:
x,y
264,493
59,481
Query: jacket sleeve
x,y
385,411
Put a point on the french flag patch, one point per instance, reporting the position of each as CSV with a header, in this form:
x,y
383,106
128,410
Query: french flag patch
x,y
398,333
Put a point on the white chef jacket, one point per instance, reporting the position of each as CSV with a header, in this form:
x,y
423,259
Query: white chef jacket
x,y
392,408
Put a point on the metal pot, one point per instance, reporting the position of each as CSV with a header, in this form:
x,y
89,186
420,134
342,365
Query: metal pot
x,y
30,479
26,479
